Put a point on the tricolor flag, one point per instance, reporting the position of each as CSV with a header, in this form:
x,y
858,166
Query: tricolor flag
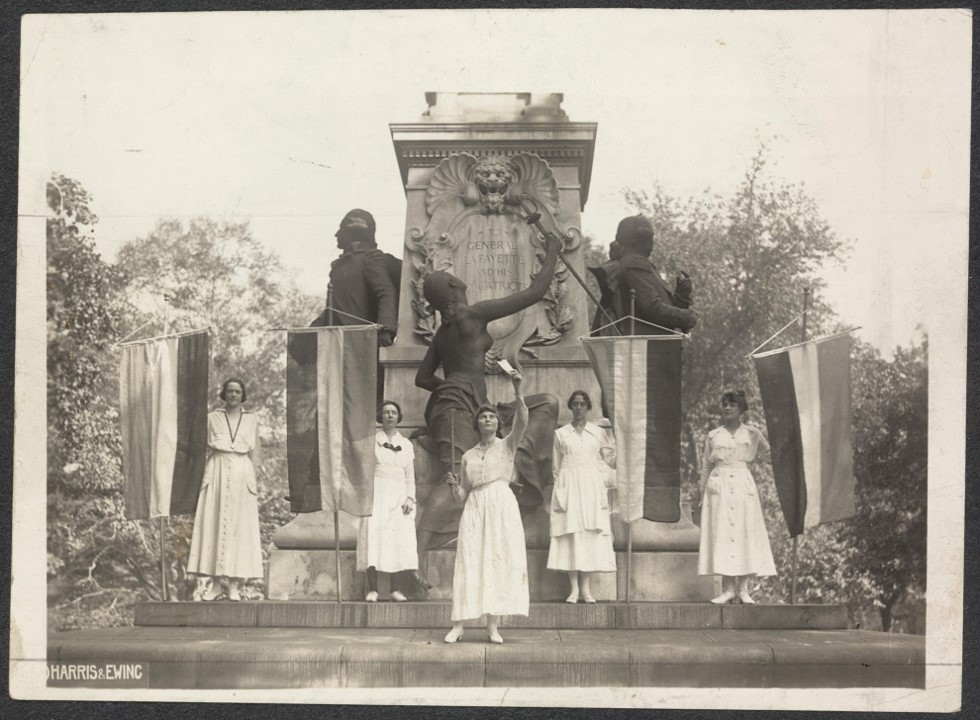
x,y
806,395
640,377
331,384
163,411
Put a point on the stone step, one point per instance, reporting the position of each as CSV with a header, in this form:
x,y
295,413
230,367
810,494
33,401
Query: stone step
x,y
550,616
656,577
269,657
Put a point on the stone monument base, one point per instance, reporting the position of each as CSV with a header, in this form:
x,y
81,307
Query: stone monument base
x,y
656,576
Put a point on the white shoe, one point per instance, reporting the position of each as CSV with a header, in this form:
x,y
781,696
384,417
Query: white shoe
x,y
213,593
453,635
573,598
745,598
372,596
495,637
397,596
725,597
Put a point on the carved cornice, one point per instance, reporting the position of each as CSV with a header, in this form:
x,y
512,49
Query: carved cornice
x,y
523,127
430,156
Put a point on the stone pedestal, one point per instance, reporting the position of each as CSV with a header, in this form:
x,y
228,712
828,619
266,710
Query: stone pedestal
x,y
656,576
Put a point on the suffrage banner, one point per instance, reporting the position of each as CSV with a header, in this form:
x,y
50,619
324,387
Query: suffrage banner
x,y
640,377
806,395
331,388
163,412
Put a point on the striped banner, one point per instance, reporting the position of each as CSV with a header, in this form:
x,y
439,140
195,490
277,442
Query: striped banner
x,y
640,377
331,385
806,394
163,412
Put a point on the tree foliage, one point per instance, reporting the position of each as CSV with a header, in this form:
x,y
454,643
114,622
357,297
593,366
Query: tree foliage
x,y
97,561
891,419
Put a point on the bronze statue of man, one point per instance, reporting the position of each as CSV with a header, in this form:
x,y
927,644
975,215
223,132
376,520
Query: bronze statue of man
x,y
459,347
656,304
364,282
364,279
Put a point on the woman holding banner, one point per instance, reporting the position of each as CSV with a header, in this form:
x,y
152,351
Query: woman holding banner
x,y
225,542
490,576
386,539
581,536
734,541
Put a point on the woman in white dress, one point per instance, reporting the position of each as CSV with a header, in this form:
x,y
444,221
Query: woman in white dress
x,y
734,541
386,539
225,542
581,535
490,576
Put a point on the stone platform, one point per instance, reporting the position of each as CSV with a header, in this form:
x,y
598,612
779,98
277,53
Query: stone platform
x,y
312,657
542,616
310,575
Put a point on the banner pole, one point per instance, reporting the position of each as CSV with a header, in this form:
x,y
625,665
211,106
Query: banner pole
x,y
164,585
336,551
629,525
164,588
796,538
336,513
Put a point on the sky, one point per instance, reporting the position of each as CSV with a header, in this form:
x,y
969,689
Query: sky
x,y
282,119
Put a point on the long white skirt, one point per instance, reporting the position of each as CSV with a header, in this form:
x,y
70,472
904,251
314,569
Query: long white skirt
x,y
581,538
226,540
734,540
585,550
491,559
386,540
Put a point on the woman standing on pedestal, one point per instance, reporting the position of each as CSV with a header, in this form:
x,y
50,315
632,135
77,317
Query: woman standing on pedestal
x,y
226,543
581,535
386,539
734,541
490,576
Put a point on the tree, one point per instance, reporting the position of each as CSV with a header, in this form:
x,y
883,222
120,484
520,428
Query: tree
x,y
95,557
593,255
216,275
888,534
